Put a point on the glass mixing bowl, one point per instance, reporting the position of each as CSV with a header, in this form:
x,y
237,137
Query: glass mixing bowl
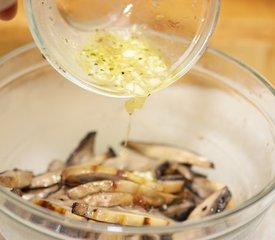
x,y
179,28
221,109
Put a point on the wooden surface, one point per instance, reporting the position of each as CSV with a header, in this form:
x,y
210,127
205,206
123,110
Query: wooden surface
x,y
246,30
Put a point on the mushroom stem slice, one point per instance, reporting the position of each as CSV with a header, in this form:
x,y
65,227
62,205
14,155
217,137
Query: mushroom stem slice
x,y
46,179
204,187
61,194
50,205
123,186
83,173
172,186
143,194
174,168
16,179
109,199
17,191
179,212
39,193
175,177
215,203
169,153
86,189
117,217
84,150
187,194
183,170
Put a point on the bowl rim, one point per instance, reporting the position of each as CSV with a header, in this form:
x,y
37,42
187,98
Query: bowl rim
x,y
267,191
191,55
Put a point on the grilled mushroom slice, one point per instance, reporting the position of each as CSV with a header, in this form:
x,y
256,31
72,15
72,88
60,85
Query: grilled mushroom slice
x,y
169,153
180,211
39,193
86,189
58,208
174,177
56,165
83,173
61,194
186,194
117,217
109,199
204,187
143,194
16,179
157,201
84,151
215,203
183,170
62,197
46,179
161,169
174,168
171,186
17,191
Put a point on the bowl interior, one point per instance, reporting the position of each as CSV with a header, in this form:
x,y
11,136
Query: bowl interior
x,y
44,116
219,110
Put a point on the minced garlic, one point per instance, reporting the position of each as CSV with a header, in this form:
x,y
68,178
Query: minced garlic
x,y
124,61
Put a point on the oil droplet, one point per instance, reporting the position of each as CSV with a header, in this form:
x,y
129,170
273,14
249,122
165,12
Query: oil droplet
x,y
134,103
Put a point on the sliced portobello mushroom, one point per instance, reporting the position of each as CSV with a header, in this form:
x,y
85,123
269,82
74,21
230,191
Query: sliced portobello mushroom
x,y
157,201
204,187
62,197
28,194
142,194
83,173
109,215
46,179
183,170
180,211
172,186
109,199
60,194
57,208
174,168
174,177
16,179
17,191
86,189
215,203
161,170
187,194
169,153
84,151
